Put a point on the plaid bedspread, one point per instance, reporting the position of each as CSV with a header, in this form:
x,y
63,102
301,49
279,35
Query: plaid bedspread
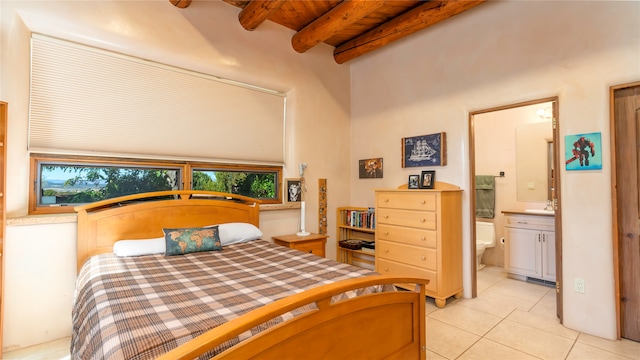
x,y
142,307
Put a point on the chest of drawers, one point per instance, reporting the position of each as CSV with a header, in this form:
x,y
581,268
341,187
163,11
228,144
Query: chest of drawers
x,y
419,234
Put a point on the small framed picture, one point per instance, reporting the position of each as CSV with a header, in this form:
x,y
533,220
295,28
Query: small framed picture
x,y
414,181
293,190
370,168
427,179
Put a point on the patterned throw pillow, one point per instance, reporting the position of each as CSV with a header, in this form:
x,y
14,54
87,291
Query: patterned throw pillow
x,y
188,240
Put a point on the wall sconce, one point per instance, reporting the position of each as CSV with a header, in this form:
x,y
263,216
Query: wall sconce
x,y
544,113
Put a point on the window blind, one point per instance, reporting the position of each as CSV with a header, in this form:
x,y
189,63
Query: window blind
x,y
85,100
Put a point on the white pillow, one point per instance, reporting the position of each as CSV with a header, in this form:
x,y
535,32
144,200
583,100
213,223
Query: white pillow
x,y
139,247
232,233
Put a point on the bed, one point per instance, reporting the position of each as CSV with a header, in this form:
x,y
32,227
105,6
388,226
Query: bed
x,y
252,299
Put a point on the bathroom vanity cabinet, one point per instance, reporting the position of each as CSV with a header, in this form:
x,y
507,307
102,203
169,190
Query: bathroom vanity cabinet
x,y
530,245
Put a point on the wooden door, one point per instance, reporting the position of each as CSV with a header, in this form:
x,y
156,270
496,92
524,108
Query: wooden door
x,y
557,204
626,129
3,217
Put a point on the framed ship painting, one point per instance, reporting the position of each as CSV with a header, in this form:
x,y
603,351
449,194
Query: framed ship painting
x,y
424,150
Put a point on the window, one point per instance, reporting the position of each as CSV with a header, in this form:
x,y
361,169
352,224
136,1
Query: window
x,y
259,183
60,183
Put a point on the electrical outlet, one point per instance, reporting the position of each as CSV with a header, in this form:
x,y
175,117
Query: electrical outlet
x,y
579,285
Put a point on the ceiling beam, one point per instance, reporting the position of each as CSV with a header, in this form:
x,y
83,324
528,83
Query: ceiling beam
x,y
181,3
324,27
416,19
256,12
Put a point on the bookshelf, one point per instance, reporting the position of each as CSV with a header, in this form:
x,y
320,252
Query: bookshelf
x,y
355,223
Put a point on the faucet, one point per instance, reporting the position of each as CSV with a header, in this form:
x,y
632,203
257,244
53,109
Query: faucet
x,y
549,205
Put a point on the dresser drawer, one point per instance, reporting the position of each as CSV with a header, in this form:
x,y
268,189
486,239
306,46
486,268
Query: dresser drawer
x,y
411,236
407,254
408,200
392,268
416,219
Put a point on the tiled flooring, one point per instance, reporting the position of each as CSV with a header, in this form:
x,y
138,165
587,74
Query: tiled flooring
x,y
512,319
509,320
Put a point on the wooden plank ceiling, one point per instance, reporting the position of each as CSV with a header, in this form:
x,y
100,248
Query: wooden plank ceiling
x,y
353,27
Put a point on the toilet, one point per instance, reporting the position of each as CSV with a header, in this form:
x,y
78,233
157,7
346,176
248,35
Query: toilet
x,y
485,238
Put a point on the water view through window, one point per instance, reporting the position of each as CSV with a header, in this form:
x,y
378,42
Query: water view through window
x,y
80,184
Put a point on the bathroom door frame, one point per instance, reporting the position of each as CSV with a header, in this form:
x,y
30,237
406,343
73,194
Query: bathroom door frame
x,y
556,186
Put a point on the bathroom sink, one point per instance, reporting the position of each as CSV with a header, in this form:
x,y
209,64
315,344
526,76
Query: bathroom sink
x,y
540,211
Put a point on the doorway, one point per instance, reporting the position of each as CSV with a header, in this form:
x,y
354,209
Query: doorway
x,y
625,139
547,187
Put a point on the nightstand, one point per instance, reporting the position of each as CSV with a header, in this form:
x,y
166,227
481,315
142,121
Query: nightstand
x,y
312,243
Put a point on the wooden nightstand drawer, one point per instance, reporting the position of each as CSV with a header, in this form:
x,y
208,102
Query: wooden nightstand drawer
x,y
407,254
313,243
409,201
392,268
416,219
314,247
418,237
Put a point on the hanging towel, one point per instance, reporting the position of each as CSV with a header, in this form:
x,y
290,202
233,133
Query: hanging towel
x,y
485,196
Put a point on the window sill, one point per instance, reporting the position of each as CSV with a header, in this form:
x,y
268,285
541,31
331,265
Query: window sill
x,y
42,219
289,206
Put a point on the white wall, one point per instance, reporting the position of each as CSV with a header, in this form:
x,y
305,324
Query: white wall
x,y
39,282
205,37
503,53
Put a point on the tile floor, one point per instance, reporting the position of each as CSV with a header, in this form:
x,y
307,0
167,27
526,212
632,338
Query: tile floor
x,y
510,319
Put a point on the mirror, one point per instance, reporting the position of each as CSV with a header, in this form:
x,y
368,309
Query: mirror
x,y
534,141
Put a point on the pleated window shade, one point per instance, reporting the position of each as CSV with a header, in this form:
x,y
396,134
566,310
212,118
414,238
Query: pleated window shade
x,y
90,101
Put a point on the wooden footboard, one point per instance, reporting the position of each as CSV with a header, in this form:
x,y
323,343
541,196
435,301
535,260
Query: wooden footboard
x,y
385,325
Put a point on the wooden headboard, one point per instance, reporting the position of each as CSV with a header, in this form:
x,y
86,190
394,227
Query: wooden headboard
x,y
143,216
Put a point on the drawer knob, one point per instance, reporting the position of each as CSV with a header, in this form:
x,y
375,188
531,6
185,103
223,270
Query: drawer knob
x,y
423,202
310,251
386,200
386,233
386,216
386,269
423,238
423,220
386,250
423,258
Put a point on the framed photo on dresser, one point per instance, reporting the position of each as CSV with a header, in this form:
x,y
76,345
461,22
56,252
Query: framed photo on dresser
x,y
427,179
414,182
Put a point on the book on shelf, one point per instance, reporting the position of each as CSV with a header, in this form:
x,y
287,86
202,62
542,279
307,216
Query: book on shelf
x,y
368,251
360,218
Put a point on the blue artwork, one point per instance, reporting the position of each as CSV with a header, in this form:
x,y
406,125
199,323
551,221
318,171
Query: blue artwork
x,y
583,151
425,150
